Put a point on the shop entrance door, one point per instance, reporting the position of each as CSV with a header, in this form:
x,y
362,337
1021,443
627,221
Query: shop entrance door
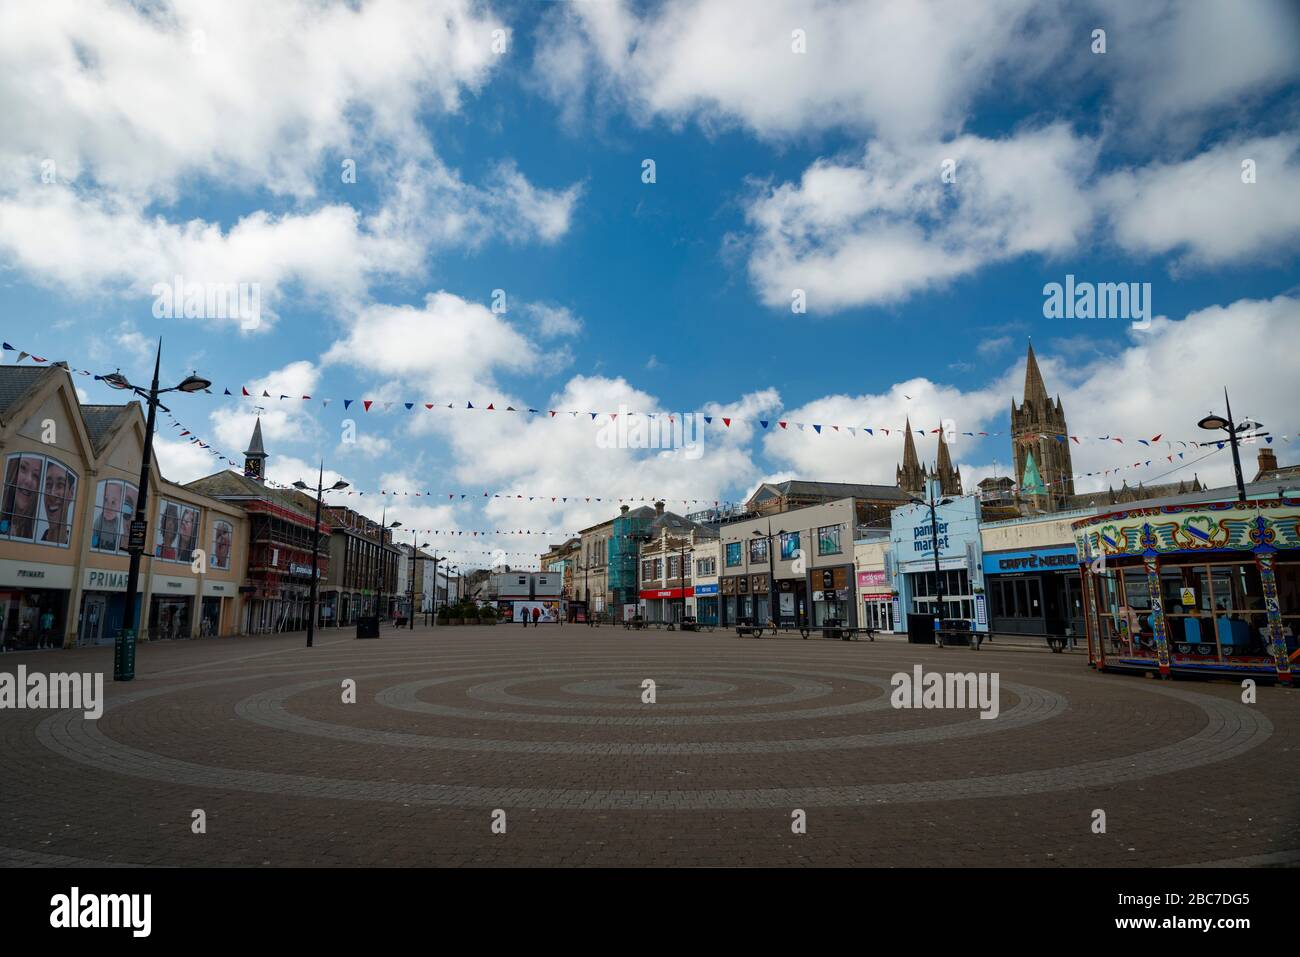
x,y
94,611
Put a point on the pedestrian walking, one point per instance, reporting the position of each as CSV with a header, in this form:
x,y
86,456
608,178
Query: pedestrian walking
x,y
537,613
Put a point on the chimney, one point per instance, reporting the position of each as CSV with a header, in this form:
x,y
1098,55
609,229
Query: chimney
x,y
1267,460
659,508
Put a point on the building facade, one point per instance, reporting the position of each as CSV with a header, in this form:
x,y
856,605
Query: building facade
x,y
364,568
667,561
876,599
913,538
70,492
803,557
282,535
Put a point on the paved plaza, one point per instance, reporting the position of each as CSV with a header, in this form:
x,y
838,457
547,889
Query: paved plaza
x,y
548,726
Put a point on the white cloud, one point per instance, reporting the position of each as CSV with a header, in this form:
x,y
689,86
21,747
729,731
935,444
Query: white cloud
x,y
80,84
284,421
888,227
872,458
1178,66
1173,375
80,92
553,321
181,461
449,347
901,69
1201,210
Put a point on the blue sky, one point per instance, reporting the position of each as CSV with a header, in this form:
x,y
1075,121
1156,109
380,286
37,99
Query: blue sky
x,y
213,148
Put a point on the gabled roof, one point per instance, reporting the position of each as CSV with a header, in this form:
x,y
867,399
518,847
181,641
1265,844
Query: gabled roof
x,y
17,381
232,485
102,421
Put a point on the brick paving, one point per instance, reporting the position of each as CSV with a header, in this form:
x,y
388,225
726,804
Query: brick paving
x,y
548,726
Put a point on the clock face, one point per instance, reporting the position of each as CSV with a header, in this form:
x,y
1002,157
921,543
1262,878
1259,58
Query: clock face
x,y
253,468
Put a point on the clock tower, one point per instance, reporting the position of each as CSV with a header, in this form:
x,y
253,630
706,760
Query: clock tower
x,y
255,456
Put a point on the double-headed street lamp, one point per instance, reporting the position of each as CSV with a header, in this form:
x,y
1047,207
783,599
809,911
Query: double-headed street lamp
x,y
932,504
1214,422
315,543
124,649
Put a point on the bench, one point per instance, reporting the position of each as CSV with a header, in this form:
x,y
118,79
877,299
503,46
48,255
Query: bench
x,y
690,624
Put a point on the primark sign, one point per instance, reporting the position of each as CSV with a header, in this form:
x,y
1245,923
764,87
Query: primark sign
x,y
98,579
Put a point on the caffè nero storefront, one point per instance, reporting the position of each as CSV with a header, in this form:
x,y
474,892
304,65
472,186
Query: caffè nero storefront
x,y
1203,588
1035,592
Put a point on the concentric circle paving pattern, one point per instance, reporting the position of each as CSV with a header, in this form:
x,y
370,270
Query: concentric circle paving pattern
x,y
561,726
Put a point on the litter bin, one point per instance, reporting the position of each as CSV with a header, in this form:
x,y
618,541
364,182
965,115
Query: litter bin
x,y
956,631
368,626
920,629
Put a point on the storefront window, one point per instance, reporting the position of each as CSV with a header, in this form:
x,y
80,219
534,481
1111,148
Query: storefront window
x,y
39,499
32,618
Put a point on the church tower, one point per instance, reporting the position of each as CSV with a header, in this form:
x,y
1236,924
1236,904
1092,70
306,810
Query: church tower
x,y
949,477
255,456
1038,427
910,476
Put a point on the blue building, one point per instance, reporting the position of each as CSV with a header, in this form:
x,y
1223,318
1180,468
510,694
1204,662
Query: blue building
x,y
910,568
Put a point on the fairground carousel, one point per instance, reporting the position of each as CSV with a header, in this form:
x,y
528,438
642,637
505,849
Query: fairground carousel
x,y
1205,588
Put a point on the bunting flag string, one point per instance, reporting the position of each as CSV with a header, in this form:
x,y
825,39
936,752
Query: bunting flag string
x,y
820,429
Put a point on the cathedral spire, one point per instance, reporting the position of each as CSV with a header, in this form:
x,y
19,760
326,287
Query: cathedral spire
x,y
910,460
910,476
949,478
1035,390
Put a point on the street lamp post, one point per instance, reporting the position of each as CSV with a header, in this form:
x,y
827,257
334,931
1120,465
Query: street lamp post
x,y
934,547
384,526
772,614
315,544
1214,422
124,648
414,553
